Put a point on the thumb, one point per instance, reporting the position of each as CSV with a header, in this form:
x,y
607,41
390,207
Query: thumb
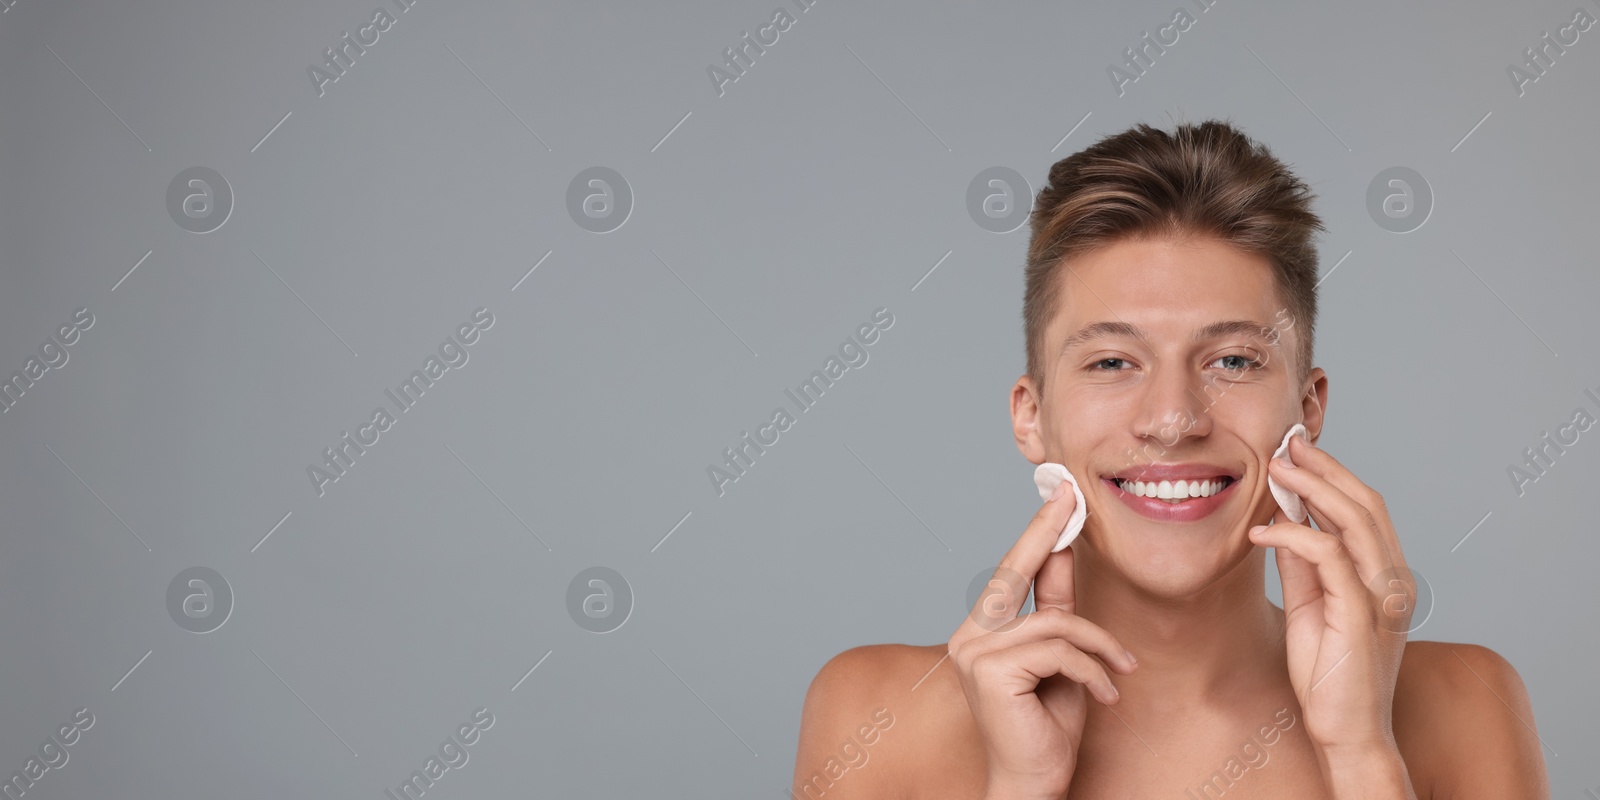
x,y
1052,587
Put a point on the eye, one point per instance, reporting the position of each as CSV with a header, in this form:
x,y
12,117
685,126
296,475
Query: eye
x,y
1096,366
1239,362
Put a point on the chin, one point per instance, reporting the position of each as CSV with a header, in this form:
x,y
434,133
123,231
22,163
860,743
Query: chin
x,y
1176,581
1172,560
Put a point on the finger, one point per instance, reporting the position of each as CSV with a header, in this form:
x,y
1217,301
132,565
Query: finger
x,y
1053,623
1018,670
1052,587
1018,567
1344,595
1323,464
1298,578
1338,513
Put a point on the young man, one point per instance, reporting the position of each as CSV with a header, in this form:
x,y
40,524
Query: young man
x,y
1169,311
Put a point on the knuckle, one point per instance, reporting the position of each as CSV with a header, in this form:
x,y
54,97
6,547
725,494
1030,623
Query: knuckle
x,y
1373,500
1064,654
1062,617
1066,624
1327,544
1100,675
1052,615
1372,520
1085,631
966,652
985,666
1078,666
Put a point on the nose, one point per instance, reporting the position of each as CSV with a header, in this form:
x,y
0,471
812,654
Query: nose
x,y
1173,407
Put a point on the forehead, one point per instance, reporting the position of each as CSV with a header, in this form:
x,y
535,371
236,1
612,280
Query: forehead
x,y
1166,286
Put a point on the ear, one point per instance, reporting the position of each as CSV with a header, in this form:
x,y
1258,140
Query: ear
x,y
1025,420
1314,402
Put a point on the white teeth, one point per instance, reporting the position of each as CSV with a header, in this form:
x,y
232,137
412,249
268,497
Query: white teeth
x,y
1176,491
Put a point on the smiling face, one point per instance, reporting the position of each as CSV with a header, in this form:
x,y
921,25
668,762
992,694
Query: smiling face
x,y
1168,360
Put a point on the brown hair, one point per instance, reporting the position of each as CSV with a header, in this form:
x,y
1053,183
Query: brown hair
x,y
1205,179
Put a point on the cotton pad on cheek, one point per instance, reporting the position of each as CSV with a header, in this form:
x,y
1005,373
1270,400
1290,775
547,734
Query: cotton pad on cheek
x,y
1290,502
1047,477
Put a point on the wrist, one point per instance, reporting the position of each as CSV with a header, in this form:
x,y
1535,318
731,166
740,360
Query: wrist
x,y
1373,770
1002,793
1001,789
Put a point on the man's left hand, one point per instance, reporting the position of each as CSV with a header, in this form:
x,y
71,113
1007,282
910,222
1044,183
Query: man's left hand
x,y
1348,597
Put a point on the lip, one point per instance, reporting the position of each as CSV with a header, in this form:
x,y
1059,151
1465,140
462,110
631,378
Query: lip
x,y
1191,470
1191,510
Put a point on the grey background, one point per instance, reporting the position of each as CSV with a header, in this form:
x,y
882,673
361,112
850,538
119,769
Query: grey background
x,y
768,223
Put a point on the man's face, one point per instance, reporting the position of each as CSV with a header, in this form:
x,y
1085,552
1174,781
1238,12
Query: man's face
x,y
1208,400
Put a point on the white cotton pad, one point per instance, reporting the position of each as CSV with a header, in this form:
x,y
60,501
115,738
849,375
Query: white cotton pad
x,y
1047,477
1287,500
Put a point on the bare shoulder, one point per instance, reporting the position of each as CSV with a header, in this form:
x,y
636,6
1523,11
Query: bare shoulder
x,y
1464,723
867,719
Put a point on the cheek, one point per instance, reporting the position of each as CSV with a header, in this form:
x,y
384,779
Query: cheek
x,y
1087,425
1256,414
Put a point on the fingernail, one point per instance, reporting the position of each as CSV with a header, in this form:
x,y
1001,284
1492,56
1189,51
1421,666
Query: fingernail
x,y
1061,489
1257,530
1114,693
1287,464
1131,658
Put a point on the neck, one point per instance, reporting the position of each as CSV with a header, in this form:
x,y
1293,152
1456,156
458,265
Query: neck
x,y
1216,647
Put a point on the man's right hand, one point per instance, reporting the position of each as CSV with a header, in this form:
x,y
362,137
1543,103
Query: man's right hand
x,y
1027,679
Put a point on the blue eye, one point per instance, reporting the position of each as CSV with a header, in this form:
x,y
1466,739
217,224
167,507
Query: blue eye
x,y
1105,360
1247,363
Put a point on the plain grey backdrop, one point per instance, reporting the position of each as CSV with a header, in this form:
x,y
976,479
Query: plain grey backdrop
x,y
367,218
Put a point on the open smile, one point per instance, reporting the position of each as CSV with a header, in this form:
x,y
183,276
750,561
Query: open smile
x,y
1173,493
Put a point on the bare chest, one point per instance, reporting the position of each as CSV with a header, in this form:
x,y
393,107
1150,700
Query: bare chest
x,y
1228,778
1235,759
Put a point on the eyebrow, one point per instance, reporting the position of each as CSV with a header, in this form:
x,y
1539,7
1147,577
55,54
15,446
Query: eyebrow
x,y
1105,329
